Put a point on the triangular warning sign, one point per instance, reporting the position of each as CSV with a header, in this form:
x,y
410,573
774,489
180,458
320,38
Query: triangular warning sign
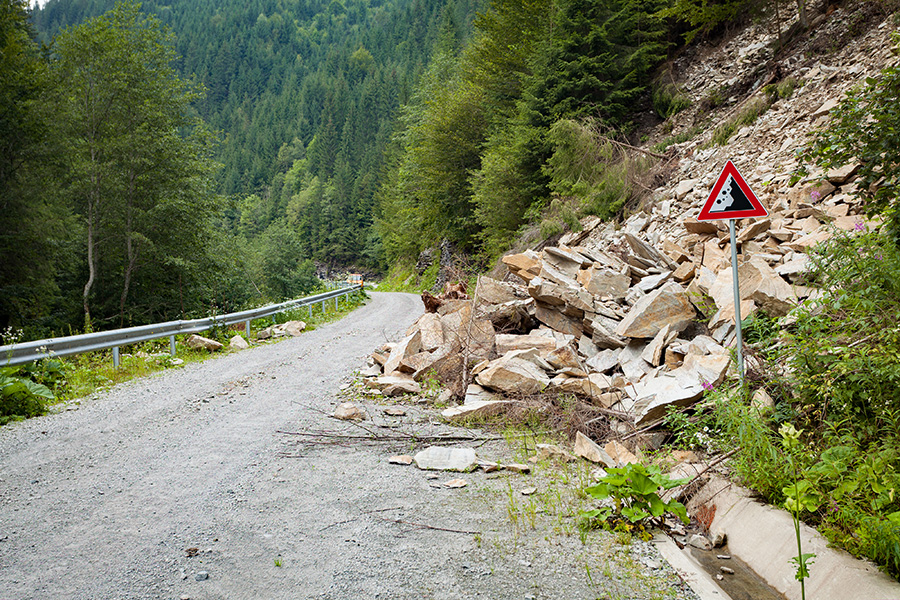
x,y
731,198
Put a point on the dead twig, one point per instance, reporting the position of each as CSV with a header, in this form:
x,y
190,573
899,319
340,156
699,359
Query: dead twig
x,y
375,437
367,512
425,526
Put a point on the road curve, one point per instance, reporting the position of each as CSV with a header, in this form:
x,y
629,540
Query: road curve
x,y
108,501
102,502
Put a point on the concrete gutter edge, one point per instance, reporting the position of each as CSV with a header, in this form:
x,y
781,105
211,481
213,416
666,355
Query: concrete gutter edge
x,y
764,538
690,571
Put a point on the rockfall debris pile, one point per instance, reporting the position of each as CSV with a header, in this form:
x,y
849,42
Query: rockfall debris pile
x,y
638,316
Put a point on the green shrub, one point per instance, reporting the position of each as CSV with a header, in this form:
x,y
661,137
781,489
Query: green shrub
x,y
668,100
845,347
24,390
841,390
634,491
746,116
865,129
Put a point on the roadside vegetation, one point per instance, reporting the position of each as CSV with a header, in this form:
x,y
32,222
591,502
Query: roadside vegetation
x,y
829,449
32,389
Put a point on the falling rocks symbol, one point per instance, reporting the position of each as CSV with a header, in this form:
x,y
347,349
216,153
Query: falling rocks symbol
x,y
731,198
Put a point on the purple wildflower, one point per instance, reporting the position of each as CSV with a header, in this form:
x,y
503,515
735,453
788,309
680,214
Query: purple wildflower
x,y
859,226
708,386
815,195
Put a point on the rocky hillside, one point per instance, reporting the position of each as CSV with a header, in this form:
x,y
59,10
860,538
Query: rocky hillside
x,y
639,315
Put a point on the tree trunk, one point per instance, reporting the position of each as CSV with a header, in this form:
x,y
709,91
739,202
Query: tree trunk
x,y
130,248
92,217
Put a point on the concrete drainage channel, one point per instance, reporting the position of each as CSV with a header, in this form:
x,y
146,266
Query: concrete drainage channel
x,y
761,541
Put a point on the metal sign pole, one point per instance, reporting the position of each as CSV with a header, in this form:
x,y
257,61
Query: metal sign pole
x,y
737,300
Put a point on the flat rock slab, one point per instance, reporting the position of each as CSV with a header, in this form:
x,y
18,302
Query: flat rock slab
x,y
440,458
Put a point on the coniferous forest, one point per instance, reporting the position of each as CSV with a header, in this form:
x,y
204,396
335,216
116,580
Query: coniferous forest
x,y
168,160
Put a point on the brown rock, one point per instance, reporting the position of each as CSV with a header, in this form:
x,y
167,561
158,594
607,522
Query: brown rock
x,y
201,343
411,344
347,411
557,321
565,357
842,175
684,272
513,376
590,450
620,454
526,265
507,341
700,227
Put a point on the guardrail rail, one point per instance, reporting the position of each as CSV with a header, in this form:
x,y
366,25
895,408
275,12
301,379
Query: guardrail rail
x,y
17,354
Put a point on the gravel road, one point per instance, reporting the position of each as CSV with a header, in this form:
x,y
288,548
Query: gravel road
x,y
104,502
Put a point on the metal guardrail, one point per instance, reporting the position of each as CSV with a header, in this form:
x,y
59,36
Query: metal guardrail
x,y
17,354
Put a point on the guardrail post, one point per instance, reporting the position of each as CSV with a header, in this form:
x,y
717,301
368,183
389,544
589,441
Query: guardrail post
x,y
309,306
335,303
247,329
172,345
116,357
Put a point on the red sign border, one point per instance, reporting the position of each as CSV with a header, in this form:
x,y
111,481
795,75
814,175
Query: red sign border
x,y
730,169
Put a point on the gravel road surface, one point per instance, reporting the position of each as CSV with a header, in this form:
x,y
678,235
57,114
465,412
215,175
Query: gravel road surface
x,y
108,501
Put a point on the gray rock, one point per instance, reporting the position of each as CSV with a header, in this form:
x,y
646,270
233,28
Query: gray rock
x,y
669,305
440,458
238,343
201,576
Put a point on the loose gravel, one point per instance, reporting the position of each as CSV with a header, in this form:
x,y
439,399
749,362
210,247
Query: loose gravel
x,y
182,485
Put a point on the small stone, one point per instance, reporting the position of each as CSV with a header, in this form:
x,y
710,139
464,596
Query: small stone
x,y
440,458
200,342
727,570
719,577
700,542
402,459
518,468
456,483
238,343
202,575
528,491
347,411
393,411
723,556
190,552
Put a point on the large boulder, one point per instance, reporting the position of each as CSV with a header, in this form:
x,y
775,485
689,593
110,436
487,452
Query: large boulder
x,y
431,331
491,291
526,265
603,282
411,344
513,375
669,305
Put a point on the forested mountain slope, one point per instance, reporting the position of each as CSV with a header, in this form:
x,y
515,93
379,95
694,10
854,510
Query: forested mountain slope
x,y
304,94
